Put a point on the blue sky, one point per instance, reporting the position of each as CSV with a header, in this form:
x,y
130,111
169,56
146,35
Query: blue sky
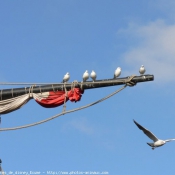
x,y
42,40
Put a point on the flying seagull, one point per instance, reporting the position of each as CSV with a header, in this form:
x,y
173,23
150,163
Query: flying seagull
x,y
157,142
117,72
93,75
142,69
85,75
66,77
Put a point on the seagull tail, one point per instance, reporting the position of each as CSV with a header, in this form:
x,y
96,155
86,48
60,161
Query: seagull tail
x,y
150,144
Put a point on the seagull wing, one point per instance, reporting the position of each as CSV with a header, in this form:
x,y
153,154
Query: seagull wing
x,y
168,140
147,132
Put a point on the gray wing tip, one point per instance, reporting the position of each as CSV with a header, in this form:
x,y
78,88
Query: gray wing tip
x,y
135,122
139,126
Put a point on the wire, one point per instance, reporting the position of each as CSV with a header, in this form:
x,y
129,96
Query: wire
x,y
87,82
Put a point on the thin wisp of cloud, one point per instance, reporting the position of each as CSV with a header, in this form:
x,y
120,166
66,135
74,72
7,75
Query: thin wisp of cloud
x,y
82,125
155,49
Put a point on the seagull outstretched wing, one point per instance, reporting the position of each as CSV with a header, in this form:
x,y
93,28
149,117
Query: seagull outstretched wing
x,y
147,132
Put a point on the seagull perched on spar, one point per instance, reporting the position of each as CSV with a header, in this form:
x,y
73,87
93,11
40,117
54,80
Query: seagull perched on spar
x,y
142,70
85,76
157,142
66,77
117,72
93,75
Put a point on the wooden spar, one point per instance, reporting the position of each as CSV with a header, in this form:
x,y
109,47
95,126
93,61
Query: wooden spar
x,y
15,92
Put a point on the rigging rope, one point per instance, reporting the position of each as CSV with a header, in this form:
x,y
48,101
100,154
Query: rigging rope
x,y
128,83
88,82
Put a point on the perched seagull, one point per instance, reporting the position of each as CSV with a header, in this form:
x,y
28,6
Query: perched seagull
x,y
85,75
157,142
142,70
66,77
117,72
93,75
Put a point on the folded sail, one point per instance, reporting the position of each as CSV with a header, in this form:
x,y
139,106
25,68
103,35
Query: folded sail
x,y
46,99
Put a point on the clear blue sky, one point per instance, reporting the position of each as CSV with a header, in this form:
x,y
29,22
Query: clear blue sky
x,y
42,40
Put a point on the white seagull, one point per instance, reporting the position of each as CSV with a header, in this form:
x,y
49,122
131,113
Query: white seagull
x,y
117,72
85,75
93,75
142,69
157,142
66,77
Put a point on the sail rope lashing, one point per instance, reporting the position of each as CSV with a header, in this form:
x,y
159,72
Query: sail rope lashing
x,y
66,93
65,97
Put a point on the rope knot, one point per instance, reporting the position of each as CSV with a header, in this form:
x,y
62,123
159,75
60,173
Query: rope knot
x,y
129,82
31,91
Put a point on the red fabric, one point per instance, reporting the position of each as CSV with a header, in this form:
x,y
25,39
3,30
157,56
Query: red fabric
x,y
57,98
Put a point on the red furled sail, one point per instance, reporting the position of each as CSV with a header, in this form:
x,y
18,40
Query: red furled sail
x,y
54,99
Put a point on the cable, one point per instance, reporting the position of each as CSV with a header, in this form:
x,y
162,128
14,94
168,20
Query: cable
x,y
87,82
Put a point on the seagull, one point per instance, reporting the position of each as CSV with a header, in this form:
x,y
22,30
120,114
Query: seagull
x,y
117,72
66,77
85,75
142,69
157,142
93,75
